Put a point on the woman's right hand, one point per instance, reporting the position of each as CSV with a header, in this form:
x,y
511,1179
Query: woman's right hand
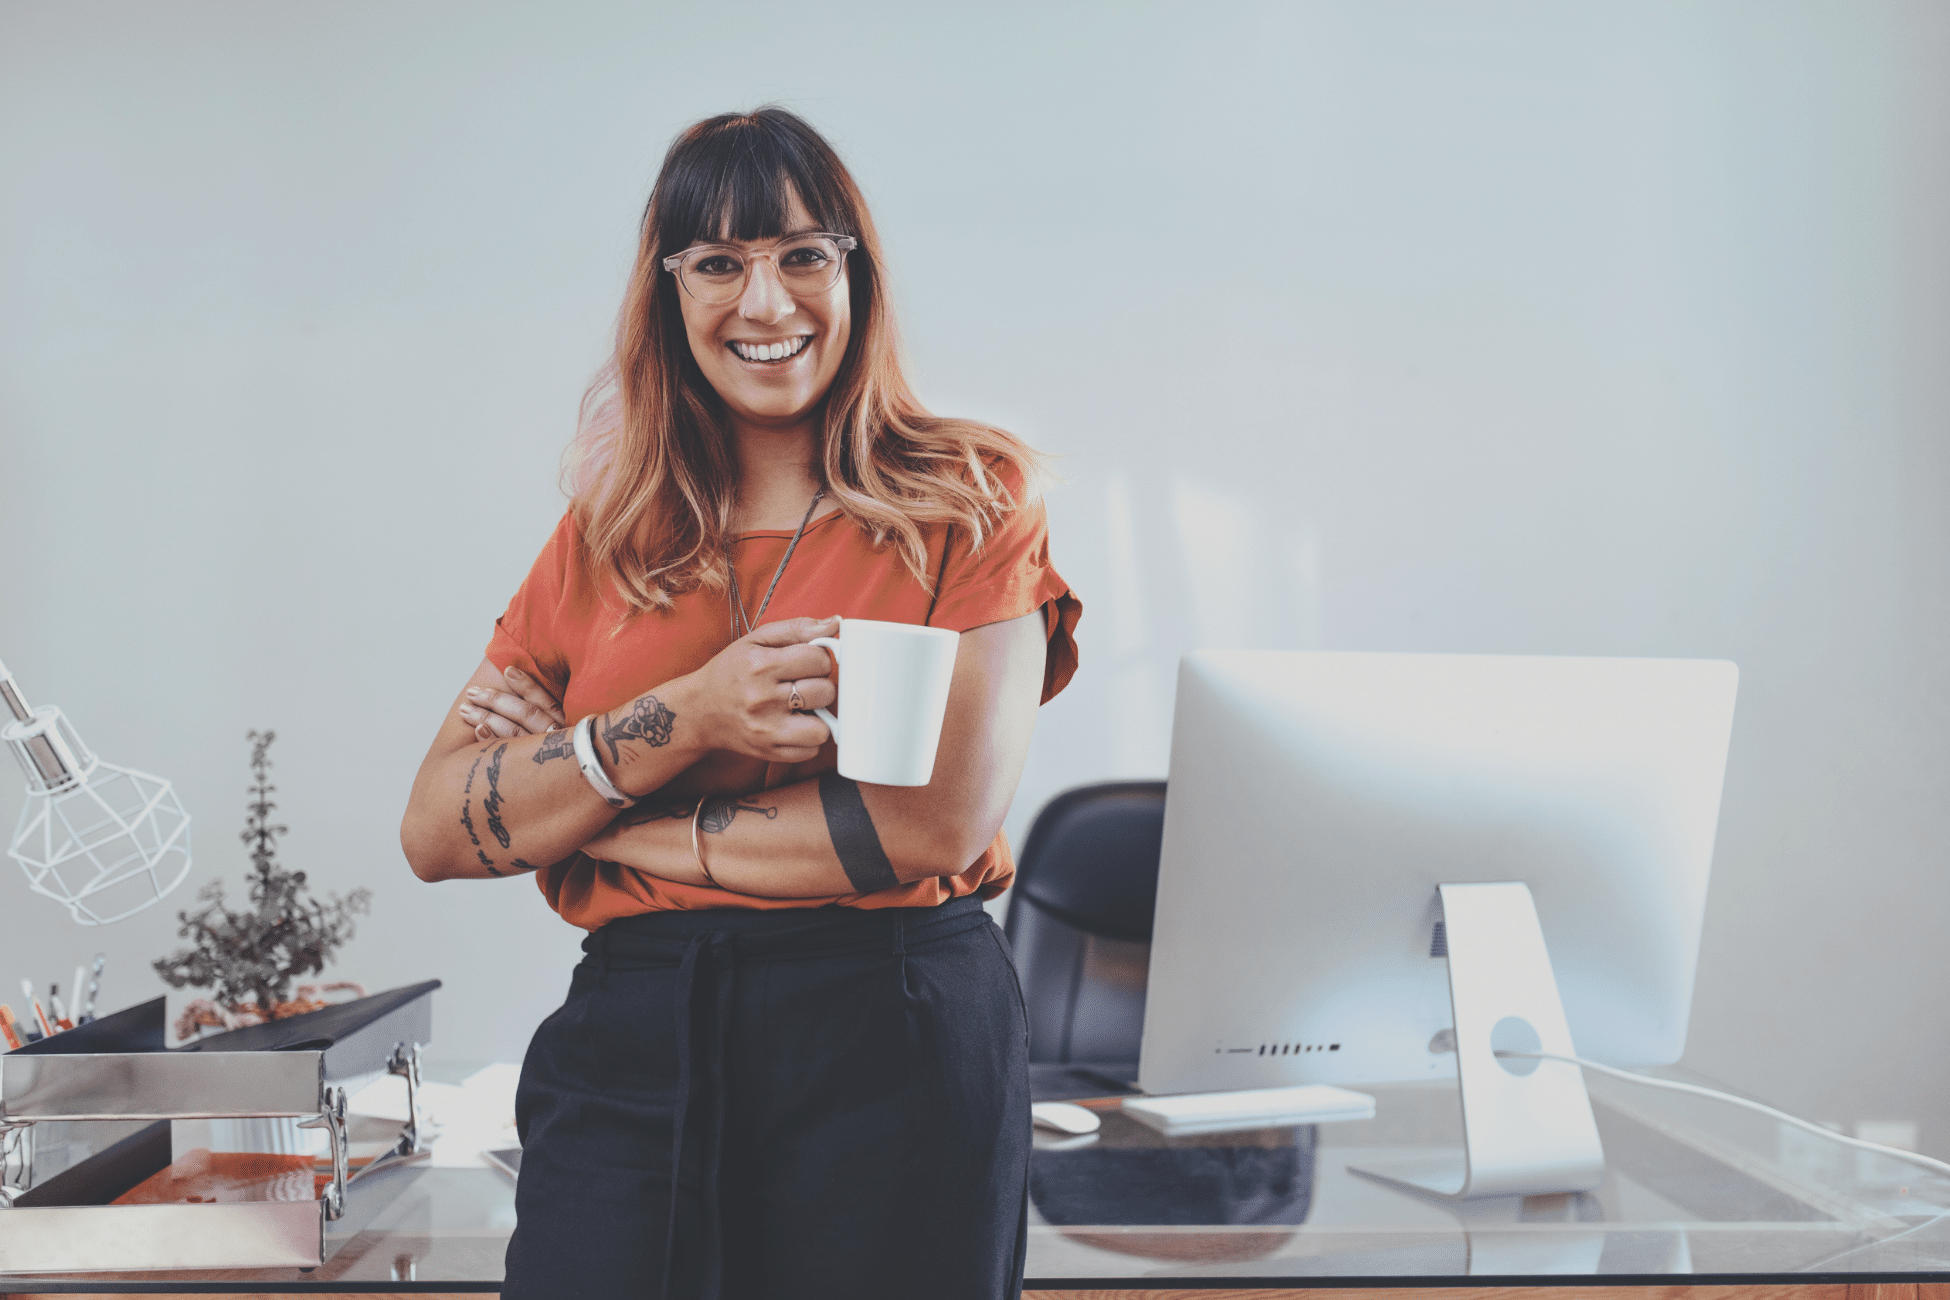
x,y
743,696
523,709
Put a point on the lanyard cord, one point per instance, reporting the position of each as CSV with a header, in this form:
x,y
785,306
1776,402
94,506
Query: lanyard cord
x,y
731,563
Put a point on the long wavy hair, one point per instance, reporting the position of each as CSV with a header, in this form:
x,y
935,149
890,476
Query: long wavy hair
x,y
652,475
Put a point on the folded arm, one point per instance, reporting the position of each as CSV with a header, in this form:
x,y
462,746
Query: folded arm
x,y
511,803
832,836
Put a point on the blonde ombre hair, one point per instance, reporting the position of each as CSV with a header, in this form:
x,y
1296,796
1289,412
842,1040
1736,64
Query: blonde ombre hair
x,y
651,474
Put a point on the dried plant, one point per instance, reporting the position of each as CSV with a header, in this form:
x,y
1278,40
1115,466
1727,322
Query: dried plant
x,y
249,958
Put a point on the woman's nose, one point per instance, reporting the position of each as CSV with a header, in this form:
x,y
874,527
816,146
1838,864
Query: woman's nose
x,y
765,299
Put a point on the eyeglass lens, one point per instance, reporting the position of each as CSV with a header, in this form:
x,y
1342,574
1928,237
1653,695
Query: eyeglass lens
x,y
807,264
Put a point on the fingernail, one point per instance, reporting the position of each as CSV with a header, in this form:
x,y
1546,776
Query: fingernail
x,y
468,712
476,693
515,675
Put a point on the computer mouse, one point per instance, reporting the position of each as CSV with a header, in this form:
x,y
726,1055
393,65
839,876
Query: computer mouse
x,y
1064,1117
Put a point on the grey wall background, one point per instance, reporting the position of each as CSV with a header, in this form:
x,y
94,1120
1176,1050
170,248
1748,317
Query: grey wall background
x,y
1600,328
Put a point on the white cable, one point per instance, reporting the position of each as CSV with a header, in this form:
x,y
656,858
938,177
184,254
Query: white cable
x,y
1935,1166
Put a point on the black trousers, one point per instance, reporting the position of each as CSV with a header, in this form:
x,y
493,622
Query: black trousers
x,y
806,1104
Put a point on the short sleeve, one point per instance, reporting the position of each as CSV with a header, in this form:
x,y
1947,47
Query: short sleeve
x,y
527,633
1008,576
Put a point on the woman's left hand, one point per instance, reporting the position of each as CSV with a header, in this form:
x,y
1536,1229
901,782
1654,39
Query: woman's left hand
x,y
524,709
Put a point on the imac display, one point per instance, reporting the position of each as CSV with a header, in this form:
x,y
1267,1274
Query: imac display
x,y
1318,805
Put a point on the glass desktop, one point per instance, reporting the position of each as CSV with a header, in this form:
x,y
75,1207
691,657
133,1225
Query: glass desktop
x,y
1695,1191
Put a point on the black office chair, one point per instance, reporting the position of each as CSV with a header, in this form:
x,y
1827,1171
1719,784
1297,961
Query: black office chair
x,y
1080,923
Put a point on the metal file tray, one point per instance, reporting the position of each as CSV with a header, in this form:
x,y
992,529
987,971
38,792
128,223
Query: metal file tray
x,y
294,1068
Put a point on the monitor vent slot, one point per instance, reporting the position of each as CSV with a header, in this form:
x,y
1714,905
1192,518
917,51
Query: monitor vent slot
x,y
1439,941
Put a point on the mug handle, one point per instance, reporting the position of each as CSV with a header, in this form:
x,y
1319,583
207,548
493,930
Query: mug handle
x,y
832,647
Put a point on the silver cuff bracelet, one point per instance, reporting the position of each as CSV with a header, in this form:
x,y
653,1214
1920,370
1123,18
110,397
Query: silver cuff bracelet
x,y
584,735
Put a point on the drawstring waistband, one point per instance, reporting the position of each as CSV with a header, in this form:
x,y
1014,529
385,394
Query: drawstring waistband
x,y
711,951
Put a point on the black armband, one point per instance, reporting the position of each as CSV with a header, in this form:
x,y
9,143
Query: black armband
x,y
854,836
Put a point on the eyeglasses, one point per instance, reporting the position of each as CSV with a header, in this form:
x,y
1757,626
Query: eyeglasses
x,y
716,273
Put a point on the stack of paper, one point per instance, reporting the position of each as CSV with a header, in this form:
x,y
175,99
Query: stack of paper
x,y
465,1119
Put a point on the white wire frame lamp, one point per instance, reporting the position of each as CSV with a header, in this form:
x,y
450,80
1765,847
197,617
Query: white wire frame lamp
x,y
104,841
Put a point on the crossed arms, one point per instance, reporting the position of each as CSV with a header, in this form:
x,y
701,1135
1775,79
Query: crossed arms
x,y
497,796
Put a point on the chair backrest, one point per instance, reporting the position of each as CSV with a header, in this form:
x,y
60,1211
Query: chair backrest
x,y
1080,920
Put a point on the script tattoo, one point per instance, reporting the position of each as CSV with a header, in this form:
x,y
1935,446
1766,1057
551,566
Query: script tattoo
x,y
492,804
524,866
647,720
556,744
719,813
467,809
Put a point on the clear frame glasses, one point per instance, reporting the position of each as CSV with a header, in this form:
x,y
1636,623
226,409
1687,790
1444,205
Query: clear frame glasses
x,y
807,264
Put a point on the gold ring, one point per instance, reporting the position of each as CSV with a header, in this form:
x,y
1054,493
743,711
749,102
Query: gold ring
x,y
553,726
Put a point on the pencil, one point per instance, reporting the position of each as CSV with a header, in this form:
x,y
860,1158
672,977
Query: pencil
x,y
7,1030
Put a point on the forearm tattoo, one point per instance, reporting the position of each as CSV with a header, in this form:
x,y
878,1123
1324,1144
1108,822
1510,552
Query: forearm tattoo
x,y
647,720
854,837
555,744
467,814
719,813
492,804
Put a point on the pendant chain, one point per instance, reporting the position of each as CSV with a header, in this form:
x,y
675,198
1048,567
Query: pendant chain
x,y
738,602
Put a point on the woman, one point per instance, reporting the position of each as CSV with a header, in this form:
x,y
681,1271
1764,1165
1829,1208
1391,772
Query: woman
x,y
792,1061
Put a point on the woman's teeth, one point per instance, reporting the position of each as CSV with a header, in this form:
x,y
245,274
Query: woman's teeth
x,y
771,351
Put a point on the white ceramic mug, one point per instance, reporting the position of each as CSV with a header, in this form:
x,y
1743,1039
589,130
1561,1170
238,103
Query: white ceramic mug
x,y
894,680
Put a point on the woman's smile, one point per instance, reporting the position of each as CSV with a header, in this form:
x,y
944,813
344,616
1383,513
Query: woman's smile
x,y
770,353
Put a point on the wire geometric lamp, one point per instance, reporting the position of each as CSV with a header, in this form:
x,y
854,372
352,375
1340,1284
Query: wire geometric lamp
x,y
103,841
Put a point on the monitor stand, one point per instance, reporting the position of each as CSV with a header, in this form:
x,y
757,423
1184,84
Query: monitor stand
x,y
1527,1125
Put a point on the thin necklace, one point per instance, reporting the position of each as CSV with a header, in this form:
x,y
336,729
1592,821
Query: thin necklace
x,y
738,602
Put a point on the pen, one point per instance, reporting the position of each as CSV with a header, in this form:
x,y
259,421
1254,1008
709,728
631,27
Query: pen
x,y
57,1009
27,987
94,985
7,1030
75,1013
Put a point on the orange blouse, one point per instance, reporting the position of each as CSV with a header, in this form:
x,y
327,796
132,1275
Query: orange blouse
x,y
559,628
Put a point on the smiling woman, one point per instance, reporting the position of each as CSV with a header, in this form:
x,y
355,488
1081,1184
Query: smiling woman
x,y
857,1126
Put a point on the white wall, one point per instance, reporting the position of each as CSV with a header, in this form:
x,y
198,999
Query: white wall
x,y
1602,328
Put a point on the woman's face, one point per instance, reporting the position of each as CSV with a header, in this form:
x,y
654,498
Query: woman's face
x,y
727,338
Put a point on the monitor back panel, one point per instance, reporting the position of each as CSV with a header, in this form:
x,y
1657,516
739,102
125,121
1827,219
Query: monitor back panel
x,y
1316,801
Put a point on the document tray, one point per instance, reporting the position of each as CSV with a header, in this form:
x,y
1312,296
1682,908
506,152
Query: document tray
x,y
293,1068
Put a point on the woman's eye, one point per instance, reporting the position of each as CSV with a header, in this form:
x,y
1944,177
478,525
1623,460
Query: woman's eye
x,y
717,266
807,257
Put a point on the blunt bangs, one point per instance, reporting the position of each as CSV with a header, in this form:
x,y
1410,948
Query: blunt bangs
x,y
733,177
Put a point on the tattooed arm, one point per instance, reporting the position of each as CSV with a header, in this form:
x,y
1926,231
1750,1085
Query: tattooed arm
x,y
504,806
831,836
515,802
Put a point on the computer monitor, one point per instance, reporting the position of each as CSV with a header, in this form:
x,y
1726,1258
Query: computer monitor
x,y
1320,803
